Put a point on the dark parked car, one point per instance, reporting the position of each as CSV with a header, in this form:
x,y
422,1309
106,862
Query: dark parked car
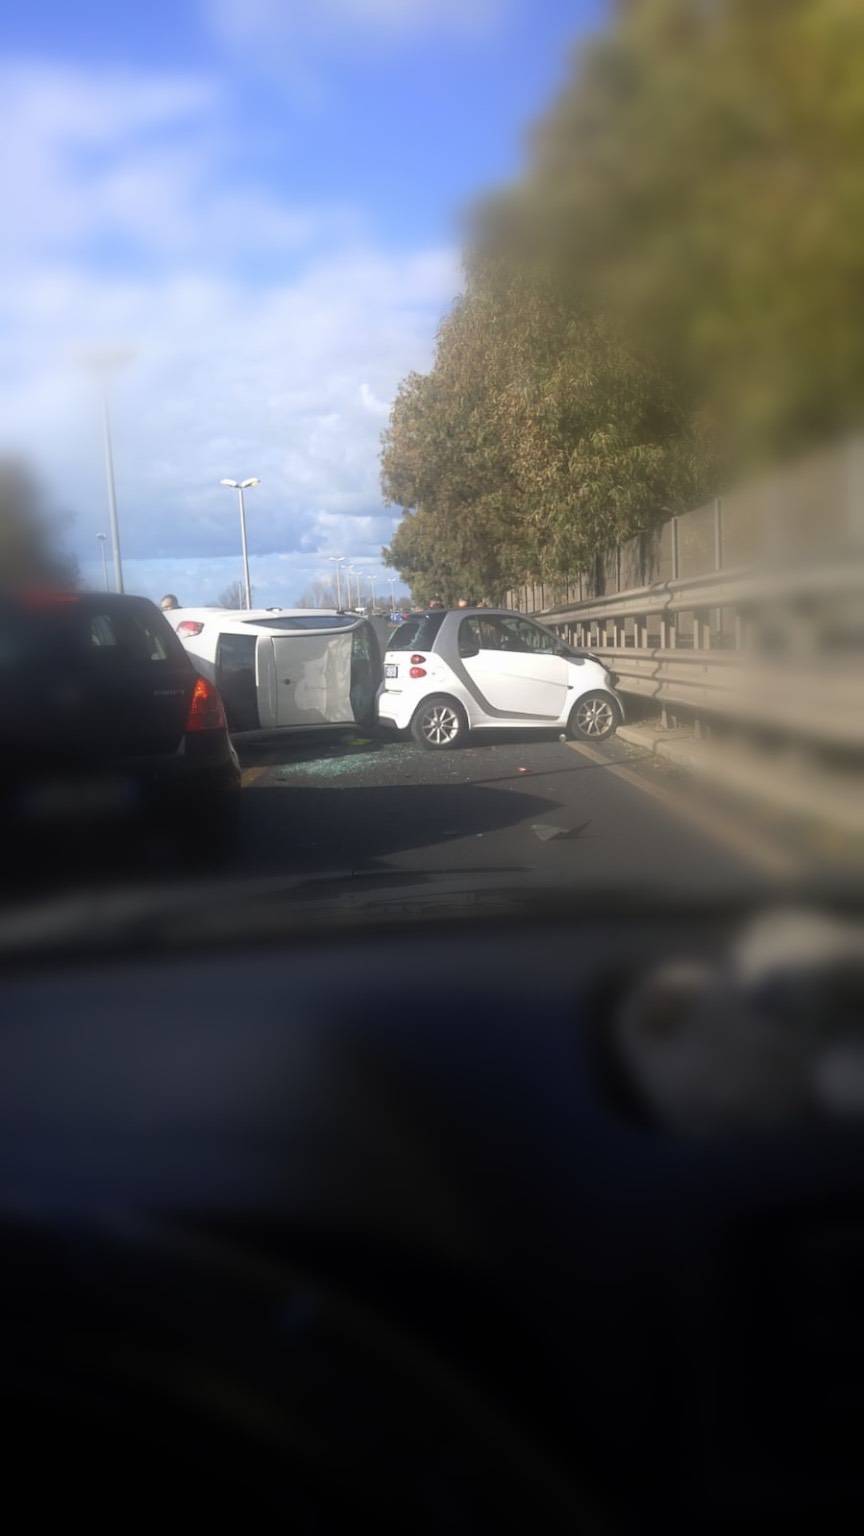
x,y
103,715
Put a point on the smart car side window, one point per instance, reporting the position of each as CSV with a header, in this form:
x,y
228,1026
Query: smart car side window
x,y
524,636
469,637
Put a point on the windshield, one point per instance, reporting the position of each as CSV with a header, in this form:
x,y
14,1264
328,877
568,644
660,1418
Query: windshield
x,y
432,766
504,509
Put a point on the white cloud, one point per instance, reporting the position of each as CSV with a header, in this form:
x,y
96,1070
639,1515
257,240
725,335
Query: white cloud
x,y
285,377
137,161
391,21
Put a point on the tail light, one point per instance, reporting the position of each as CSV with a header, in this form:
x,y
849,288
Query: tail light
x,y
46,597
206,711
417,661
416,671
189,627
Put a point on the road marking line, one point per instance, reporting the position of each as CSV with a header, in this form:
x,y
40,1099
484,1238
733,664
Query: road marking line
x,y
720,826
252,775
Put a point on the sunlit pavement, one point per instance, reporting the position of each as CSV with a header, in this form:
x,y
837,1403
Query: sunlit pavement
x,y
544,808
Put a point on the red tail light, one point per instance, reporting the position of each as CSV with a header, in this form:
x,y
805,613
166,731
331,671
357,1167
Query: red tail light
x,y
189,627
418,660
416,671
206,712
46,597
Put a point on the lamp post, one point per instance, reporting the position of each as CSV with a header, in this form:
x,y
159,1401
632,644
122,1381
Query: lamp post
x,y
240,486
102,540
338,561
103,364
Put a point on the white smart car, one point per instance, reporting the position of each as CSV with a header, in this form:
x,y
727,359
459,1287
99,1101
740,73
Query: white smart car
x,y
284,669
448,672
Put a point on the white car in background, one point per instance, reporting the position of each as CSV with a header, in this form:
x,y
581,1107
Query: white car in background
x,y
446,673
284,669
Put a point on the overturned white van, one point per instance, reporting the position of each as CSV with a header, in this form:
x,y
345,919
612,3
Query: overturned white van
x,y
285,669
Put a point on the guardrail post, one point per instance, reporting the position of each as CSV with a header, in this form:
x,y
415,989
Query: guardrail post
x,y
718,555
675,557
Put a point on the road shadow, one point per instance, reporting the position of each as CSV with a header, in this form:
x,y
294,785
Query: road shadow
x,y
279,830
309,829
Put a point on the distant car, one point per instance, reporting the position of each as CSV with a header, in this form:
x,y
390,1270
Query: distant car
x,y
102,713
448,672
285,669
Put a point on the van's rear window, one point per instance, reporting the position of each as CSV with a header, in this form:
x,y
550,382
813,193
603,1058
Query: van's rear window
x,y
304,623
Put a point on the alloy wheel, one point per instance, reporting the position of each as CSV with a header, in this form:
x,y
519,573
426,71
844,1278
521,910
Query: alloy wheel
x,y
595,717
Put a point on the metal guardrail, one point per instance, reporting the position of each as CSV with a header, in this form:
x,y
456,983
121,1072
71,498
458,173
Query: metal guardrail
x,y
716,669
718,589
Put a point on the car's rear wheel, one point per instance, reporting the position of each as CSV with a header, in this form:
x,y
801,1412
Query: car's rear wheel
x,y
439,724
594,717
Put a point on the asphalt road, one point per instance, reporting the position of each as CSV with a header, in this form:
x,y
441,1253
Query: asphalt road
x,y
542,808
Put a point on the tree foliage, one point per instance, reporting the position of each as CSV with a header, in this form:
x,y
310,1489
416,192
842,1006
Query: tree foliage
x,y
673,289
700,182
31,552
319,595
232,596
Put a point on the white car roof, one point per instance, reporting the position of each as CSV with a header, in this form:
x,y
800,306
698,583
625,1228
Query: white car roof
x,y
241,620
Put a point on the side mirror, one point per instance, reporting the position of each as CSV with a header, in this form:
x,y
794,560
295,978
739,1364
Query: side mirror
x,y
564,651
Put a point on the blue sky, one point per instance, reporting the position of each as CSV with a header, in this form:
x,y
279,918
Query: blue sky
x,y
259,201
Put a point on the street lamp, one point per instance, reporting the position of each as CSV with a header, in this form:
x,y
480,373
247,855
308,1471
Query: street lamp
x,y
102,540
338,561
240,486
371,580
354,571
103,364
391,582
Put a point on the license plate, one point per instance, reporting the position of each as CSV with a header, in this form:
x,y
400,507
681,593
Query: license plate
x,y
86,799
391,669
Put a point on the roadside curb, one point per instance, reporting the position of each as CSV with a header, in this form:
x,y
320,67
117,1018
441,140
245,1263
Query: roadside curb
x,y
788,782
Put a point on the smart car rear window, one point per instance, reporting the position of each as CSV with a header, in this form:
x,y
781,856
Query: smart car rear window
x,y
416,634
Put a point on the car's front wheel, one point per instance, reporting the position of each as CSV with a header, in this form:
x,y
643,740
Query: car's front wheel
x,y
594,717
439,724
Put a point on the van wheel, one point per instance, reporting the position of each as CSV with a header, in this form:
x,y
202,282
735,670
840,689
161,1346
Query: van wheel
x,y
439,724
594,717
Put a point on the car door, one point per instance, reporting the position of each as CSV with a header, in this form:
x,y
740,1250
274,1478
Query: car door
x,y
513,665
313,679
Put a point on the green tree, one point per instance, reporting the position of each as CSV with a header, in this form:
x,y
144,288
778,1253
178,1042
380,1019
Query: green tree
x,y
534,441
672,291
699,183
31,551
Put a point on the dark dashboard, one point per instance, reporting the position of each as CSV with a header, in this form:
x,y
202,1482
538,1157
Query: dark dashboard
x,y
448,1230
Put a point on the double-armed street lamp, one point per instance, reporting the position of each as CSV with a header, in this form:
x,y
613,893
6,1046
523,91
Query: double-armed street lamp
x,y
240,486
338,561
